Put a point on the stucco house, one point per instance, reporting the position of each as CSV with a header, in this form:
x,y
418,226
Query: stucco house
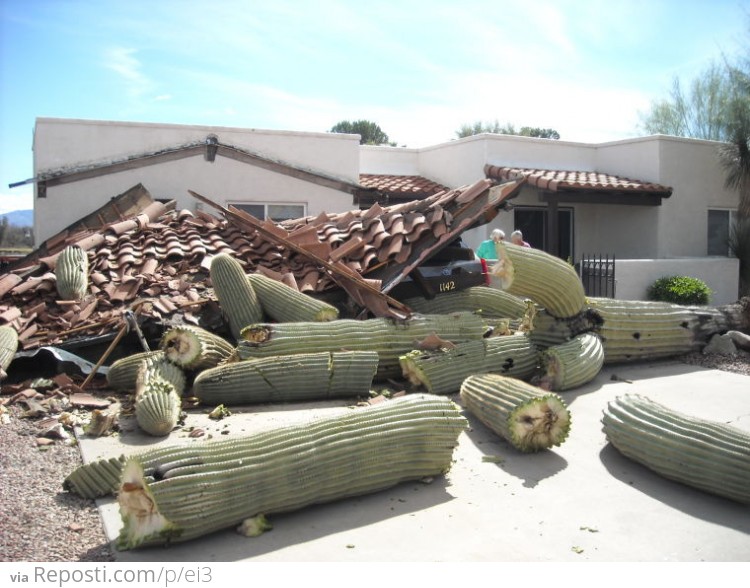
x,y
658,204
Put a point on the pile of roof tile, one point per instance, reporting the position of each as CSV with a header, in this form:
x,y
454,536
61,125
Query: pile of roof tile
x,y
155,260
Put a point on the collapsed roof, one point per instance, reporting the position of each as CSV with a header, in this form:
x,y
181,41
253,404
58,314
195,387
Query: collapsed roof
x,y
148,258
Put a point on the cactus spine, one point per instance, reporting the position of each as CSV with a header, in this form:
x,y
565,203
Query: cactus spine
x,y
72,273
528,417
287,305
710,456
307,376
205,488
236,296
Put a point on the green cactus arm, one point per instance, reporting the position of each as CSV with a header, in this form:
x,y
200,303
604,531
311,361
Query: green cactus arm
x,y
194,348
573,363
237,298
711,456
72,273
310,376
442,372
123,373
490,302
8,348
547,280
287,305
390,339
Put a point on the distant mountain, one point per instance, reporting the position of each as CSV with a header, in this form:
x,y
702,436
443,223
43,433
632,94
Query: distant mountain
x,y
19,218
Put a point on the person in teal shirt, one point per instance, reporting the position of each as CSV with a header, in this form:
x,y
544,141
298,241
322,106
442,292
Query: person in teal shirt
x,y
486,248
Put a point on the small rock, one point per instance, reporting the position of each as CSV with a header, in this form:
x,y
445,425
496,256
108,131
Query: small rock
x,y
44,441
88,401
721,344
75,527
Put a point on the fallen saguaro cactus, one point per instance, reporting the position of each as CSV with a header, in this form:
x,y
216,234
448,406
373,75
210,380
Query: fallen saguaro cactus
x,y
123,373
388,337
157,399
212,486
489,302
528,417
193,348
289,378
8,348
72,273
235,294
710,456
547,280
284,304
572,364
443,372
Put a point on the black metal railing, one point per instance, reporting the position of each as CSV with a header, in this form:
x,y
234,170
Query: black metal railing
x,y
598,275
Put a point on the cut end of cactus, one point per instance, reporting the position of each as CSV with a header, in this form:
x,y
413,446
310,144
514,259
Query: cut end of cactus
x,y
502,273
539,424
254,526
181,347
142,521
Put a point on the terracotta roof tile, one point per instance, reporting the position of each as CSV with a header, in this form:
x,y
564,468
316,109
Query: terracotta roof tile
x,y
160,265
559,180
409,186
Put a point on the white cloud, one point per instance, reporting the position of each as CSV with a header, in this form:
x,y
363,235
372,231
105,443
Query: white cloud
x,y
11,201
122,61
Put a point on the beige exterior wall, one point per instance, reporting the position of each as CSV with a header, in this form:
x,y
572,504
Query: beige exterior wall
x,y
64,143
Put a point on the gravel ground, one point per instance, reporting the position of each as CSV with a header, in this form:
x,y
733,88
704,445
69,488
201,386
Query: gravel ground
x,y
38,520
41,522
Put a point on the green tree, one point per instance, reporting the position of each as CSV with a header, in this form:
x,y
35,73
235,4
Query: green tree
x,y
479,127
701,113
369,132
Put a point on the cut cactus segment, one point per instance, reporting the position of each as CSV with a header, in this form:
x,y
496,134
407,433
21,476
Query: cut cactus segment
x,y
72,273
236,296
572,364
528,417
193,348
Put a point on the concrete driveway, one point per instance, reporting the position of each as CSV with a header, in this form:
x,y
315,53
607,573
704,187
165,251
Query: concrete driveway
x,y
582,501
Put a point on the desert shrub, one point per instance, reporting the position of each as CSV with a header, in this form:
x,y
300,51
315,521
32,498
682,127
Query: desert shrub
x,y
679,290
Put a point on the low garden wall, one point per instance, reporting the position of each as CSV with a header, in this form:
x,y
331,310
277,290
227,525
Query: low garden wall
x,y
721,274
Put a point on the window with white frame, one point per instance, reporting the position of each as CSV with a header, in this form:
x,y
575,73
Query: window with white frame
x,y
276,211
719,228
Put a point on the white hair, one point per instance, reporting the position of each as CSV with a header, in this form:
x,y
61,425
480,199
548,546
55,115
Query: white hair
x,y
516,233
497,233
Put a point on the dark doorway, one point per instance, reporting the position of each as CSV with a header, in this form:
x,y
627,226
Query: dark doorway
x,y
532,222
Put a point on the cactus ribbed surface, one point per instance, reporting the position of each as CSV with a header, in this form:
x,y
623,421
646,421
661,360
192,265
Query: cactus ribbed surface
x,y
207,487
573,363
8,348
157,407
307,376
708,455
123,373
490,302
236,296
193,348
633,330
547,280
72,273
287,305
528,417
96,479
442,372
389,338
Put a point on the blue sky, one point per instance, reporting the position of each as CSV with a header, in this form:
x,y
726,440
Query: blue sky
x,y
420,69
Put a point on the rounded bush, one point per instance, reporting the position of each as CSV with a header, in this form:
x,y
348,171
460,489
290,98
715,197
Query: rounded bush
x,y
679,290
